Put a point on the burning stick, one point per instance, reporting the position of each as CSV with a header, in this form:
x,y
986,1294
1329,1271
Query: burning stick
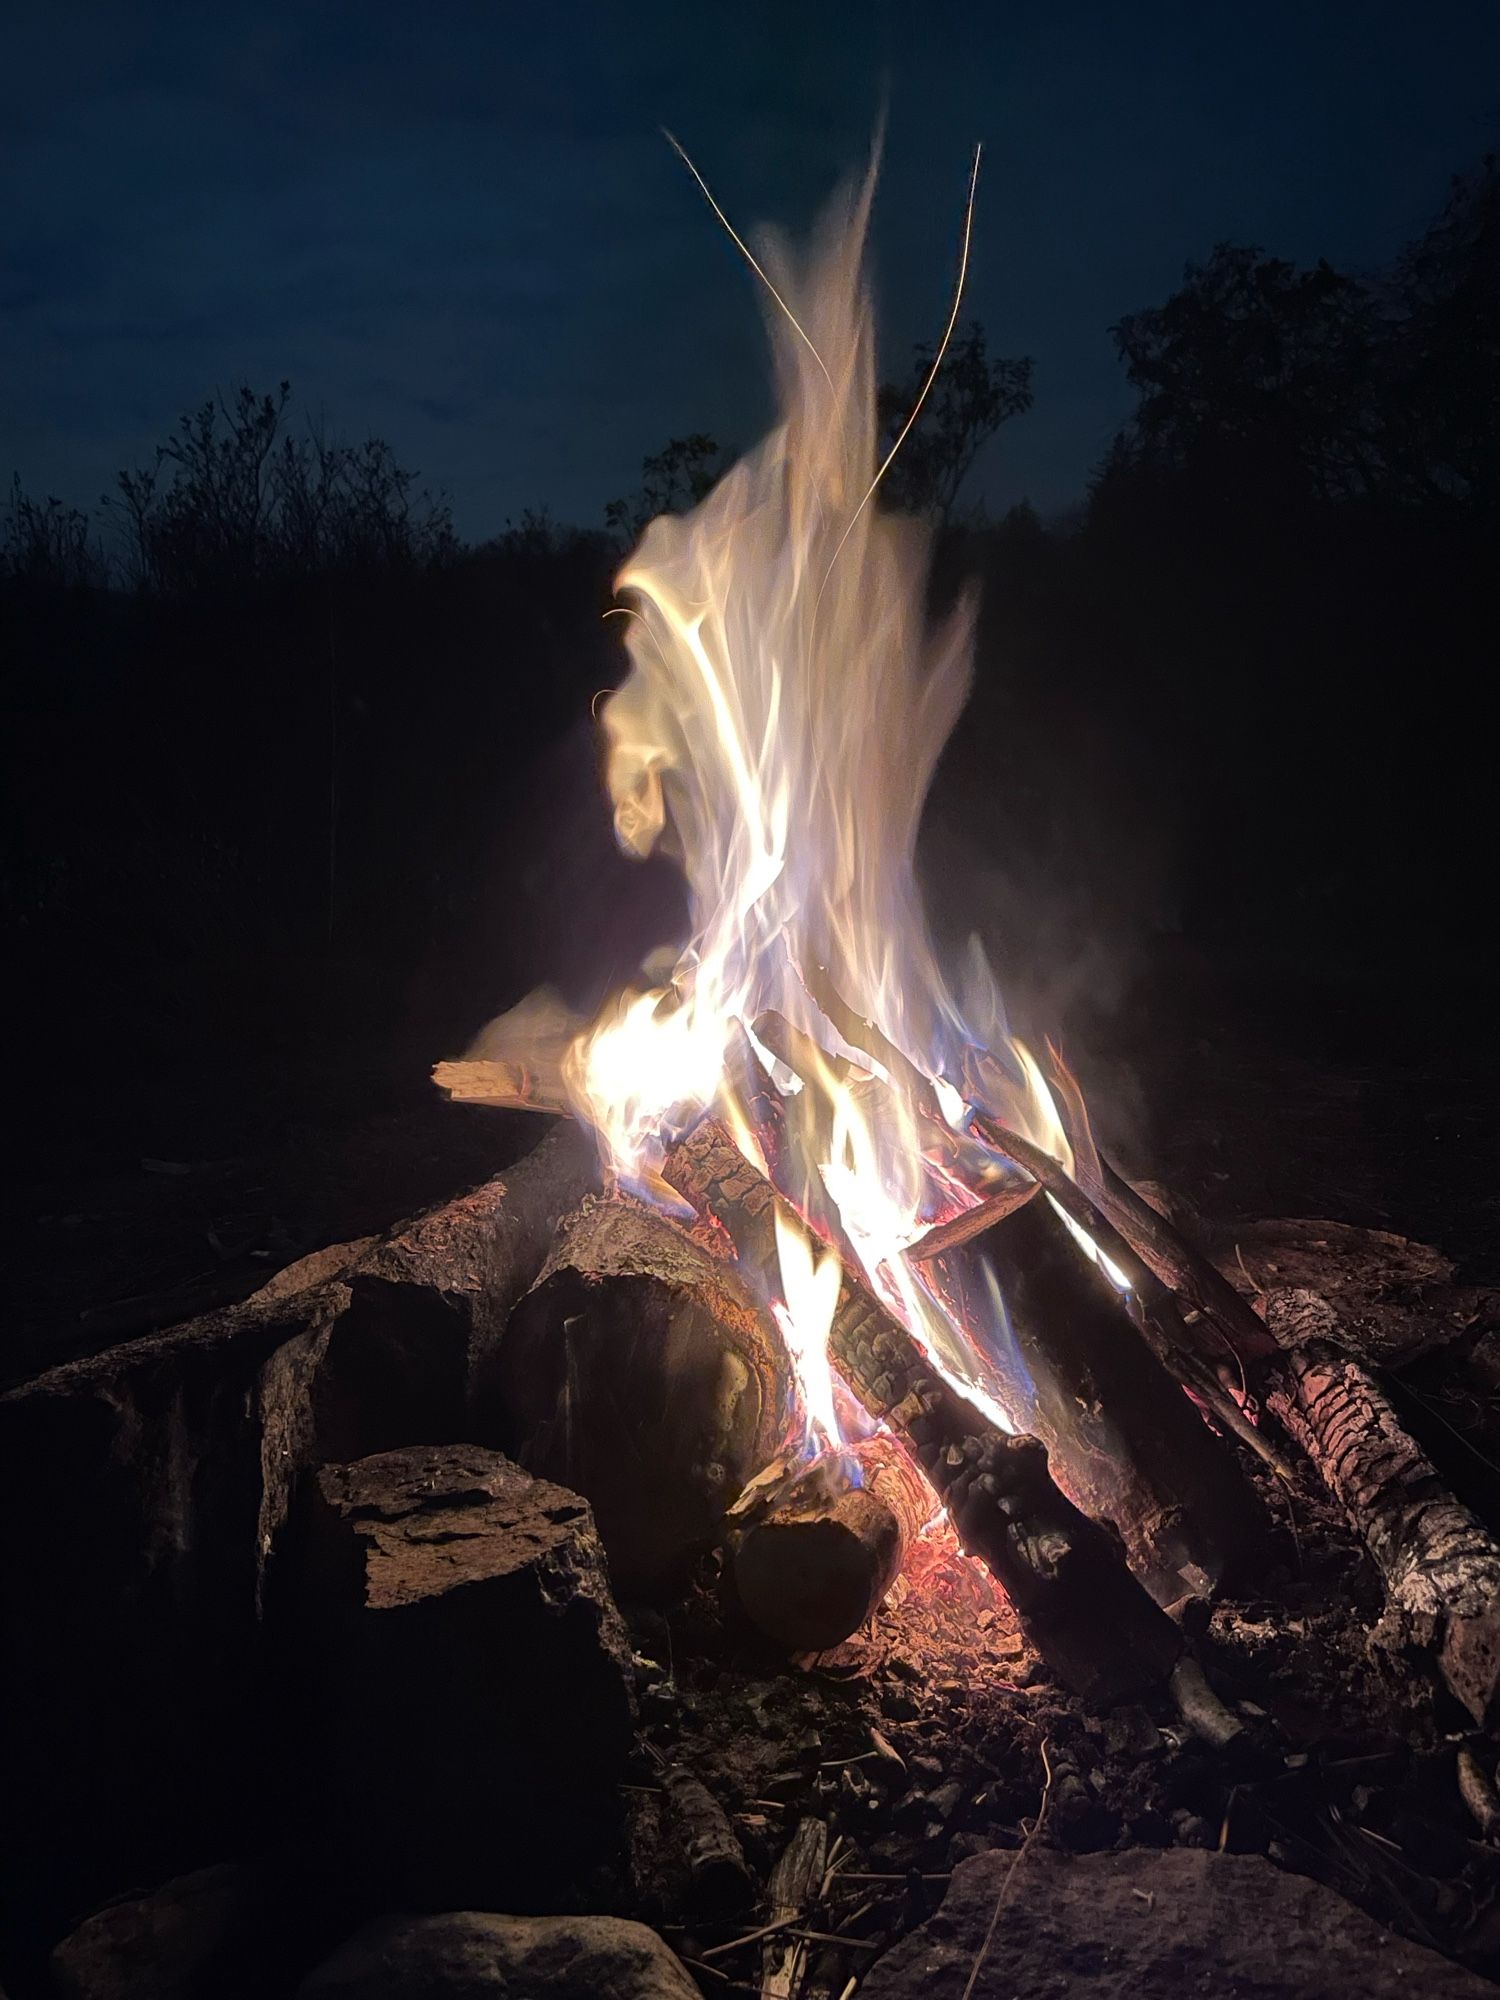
x,y
503,1086
1160,1318
1127,1442
1065,1576
1162,1321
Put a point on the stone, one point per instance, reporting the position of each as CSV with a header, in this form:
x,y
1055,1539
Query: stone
x,y
468,1955
476,1699
149,1494
236,1929
1155,1927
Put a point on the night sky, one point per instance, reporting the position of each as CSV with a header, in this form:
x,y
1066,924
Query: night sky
x,y
457,225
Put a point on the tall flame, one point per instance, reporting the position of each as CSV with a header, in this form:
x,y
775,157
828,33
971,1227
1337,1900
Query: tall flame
x,y
777,733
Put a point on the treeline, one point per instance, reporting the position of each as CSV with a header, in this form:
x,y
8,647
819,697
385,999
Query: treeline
x,y
282,745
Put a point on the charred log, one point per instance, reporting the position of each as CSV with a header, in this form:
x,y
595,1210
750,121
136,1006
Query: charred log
x,y
721,1878
1125,1440
1066,1576
1198,1360
1440,1565
817,1563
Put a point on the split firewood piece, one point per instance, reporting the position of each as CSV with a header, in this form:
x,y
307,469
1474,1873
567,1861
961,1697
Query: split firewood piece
x,y
1135,1226
641,1372
796,1882
1125,1441
811,1568
1440,1565
1066,1577
1183,1354
973,1222
721,1877
862,1033
1181,1267
504,1086
1161,1320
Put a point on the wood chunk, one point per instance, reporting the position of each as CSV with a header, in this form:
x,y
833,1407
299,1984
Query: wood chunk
x,y
641,1372
796,1881
722,1882
1124,1440
818,1563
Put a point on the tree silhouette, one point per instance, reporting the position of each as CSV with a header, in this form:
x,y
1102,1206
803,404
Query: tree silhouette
x,y
672,482
1316,382
969,401
233,496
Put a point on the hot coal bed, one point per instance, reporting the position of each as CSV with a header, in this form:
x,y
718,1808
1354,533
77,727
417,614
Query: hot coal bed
x,y
811,1527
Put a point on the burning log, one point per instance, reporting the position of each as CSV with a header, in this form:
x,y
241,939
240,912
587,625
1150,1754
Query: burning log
x,y
1066,1576
1182,1268
818,1562
1114,1233
640,1372
1440,1565
1161,1320
1127,1442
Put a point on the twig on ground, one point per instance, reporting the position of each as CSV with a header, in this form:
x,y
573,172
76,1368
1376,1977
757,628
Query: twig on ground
x,y
1010,1876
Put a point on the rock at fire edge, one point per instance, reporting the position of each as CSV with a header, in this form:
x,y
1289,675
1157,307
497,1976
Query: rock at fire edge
x,y
221,1930
468,1955
1156,1927
475,1706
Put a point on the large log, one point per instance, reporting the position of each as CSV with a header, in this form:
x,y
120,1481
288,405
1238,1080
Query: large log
x,y
1200,1364
815,1564
1065,1575
1440,1565
641,1372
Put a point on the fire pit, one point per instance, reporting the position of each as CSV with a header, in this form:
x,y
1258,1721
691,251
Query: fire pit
x,y
963,1512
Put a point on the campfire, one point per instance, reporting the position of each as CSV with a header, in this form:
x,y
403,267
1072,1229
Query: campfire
x,y
812,1474
928,1305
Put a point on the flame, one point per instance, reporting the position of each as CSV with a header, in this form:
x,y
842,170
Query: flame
x,y
777,733
810,1288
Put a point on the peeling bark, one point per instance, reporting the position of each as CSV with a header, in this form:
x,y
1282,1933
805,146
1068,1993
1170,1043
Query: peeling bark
x,y
1441,1566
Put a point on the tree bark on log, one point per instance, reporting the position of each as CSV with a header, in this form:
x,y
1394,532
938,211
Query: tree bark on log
x,y
1066,1577
1440,1565
641,1372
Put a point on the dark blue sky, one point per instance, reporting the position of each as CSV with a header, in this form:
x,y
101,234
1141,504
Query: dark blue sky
x,y
457,224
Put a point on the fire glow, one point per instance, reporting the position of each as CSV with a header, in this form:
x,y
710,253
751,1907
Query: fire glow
x,y
777,735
